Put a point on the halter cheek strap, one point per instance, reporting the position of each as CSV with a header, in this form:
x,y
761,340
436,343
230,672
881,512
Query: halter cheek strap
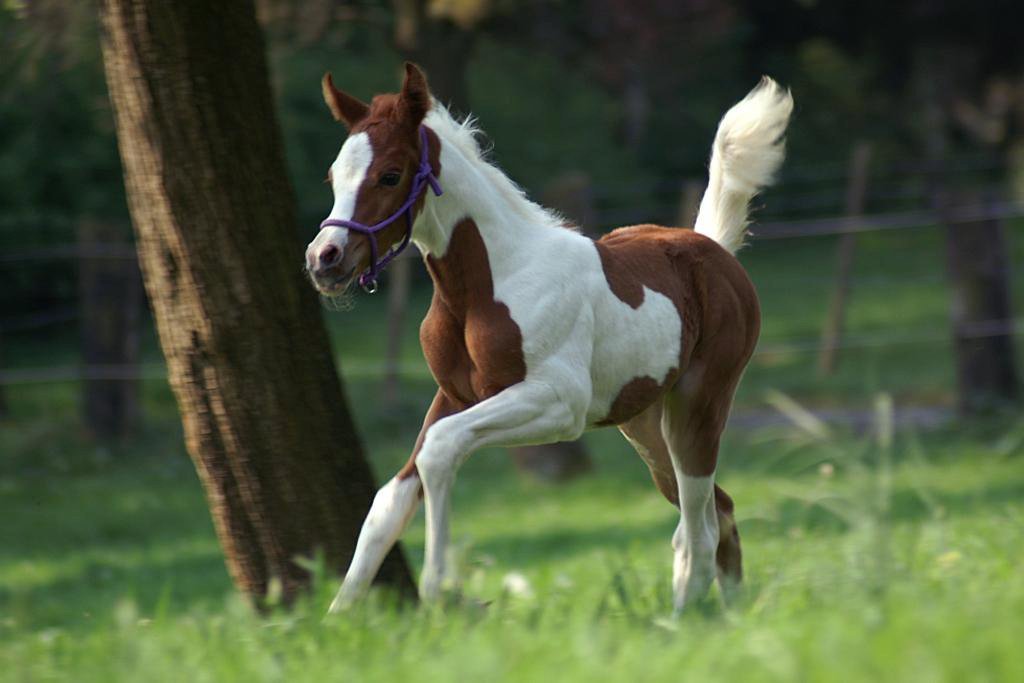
x,y
424,177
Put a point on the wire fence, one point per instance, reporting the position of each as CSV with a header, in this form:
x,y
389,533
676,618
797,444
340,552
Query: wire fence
x,y
793,228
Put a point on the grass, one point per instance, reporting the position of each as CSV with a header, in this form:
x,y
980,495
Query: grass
x,y
863,563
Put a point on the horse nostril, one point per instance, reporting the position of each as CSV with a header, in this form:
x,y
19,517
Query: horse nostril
x,y
329,256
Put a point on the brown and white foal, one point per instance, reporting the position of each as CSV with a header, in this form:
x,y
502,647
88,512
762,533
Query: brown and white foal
x,y
537,333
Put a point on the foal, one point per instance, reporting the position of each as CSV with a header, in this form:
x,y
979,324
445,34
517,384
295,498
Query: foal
x,y
536,332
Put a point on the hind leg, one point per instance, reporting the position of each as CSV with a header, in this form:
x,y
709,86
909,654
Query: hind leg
x,y
706,542
694,541
644,432
728,557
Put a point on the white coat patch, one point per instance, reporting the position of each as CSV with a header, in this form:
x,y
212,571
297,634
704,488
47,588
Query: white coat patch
x,y
347,173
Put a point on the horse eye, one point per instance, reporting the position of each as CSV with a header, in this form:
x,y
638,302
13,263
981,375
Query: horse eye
x,y
390,179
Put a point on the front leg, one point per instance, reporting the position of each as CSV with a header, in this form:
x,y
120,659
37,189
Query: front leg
x,y
524,414
390,513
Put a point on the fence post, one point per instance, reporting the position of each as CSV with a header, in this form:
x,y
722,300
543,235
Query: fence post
x,y
856,189
398,299
110,297
689,202
3,393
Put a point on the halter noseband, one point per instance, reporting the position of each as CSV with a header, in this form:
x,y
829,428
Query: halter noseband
x,y
424,177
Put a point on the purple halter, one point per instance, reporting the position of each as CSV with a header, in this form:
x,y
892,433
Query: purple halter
x,y
424,176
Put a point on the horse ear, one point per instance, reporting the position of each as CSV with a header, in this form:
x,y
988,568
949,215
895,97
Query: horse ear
x,y
345,108
415,95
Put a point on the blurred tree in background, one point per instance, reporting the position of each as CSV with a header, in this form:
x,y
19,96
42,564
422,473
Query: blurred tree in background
x,y
939,81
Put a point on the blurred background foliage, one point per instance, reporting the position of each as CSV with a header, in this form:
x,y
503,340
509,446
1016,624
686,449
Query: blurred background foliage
x,y
624,94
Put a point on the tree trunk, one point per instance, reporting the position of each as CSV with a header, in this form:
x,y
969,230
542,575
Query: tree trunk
x,y
553,462
248,358
110,300
976,253
441,46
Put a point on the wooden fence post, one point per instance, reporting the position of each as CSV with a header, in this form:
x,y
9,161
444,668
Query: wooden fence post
x,y
110,299
398,300
689,202
3,393
980,307
856,189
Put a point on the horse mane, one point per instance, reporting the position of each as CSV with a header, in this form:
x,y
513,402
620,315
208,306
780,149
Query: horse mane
x,y
464,135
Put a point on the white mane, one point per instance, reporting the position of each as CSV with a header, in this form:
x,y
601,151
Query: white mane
x,y
463,136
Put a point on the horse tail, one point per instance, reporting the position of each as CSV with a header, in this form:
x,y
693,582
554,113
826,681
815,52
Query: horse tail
x,y
748,149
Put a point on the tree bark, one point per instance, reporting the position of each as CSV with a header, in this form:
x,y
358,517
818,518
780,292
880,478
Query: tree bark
x,y
265,418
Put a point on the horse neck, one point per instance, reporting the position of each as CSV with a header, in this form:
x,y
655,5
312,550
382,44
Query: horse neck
x,y
472,192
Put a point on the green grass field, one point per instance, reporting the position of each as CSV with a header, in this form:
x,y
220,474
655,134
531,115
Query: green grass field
x,y
864,560
858,568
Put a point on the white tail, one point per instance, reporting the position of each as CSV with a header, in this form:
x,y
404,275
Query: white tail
x,y
748,150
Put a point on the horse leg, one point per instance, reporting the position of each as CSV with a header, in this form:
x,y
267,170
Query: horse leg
x,y
693,419
644,433
728,557
393,507
524,414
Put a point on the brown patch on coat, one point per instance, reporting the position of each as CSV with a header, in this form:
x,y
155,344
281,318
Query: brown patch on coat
x,y
473,346
394,149
721,323
712,293
633,398
441,407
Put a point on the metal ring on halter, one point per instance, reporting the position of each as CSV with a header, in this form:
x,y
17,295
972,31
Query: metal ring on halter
x,y
370,286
